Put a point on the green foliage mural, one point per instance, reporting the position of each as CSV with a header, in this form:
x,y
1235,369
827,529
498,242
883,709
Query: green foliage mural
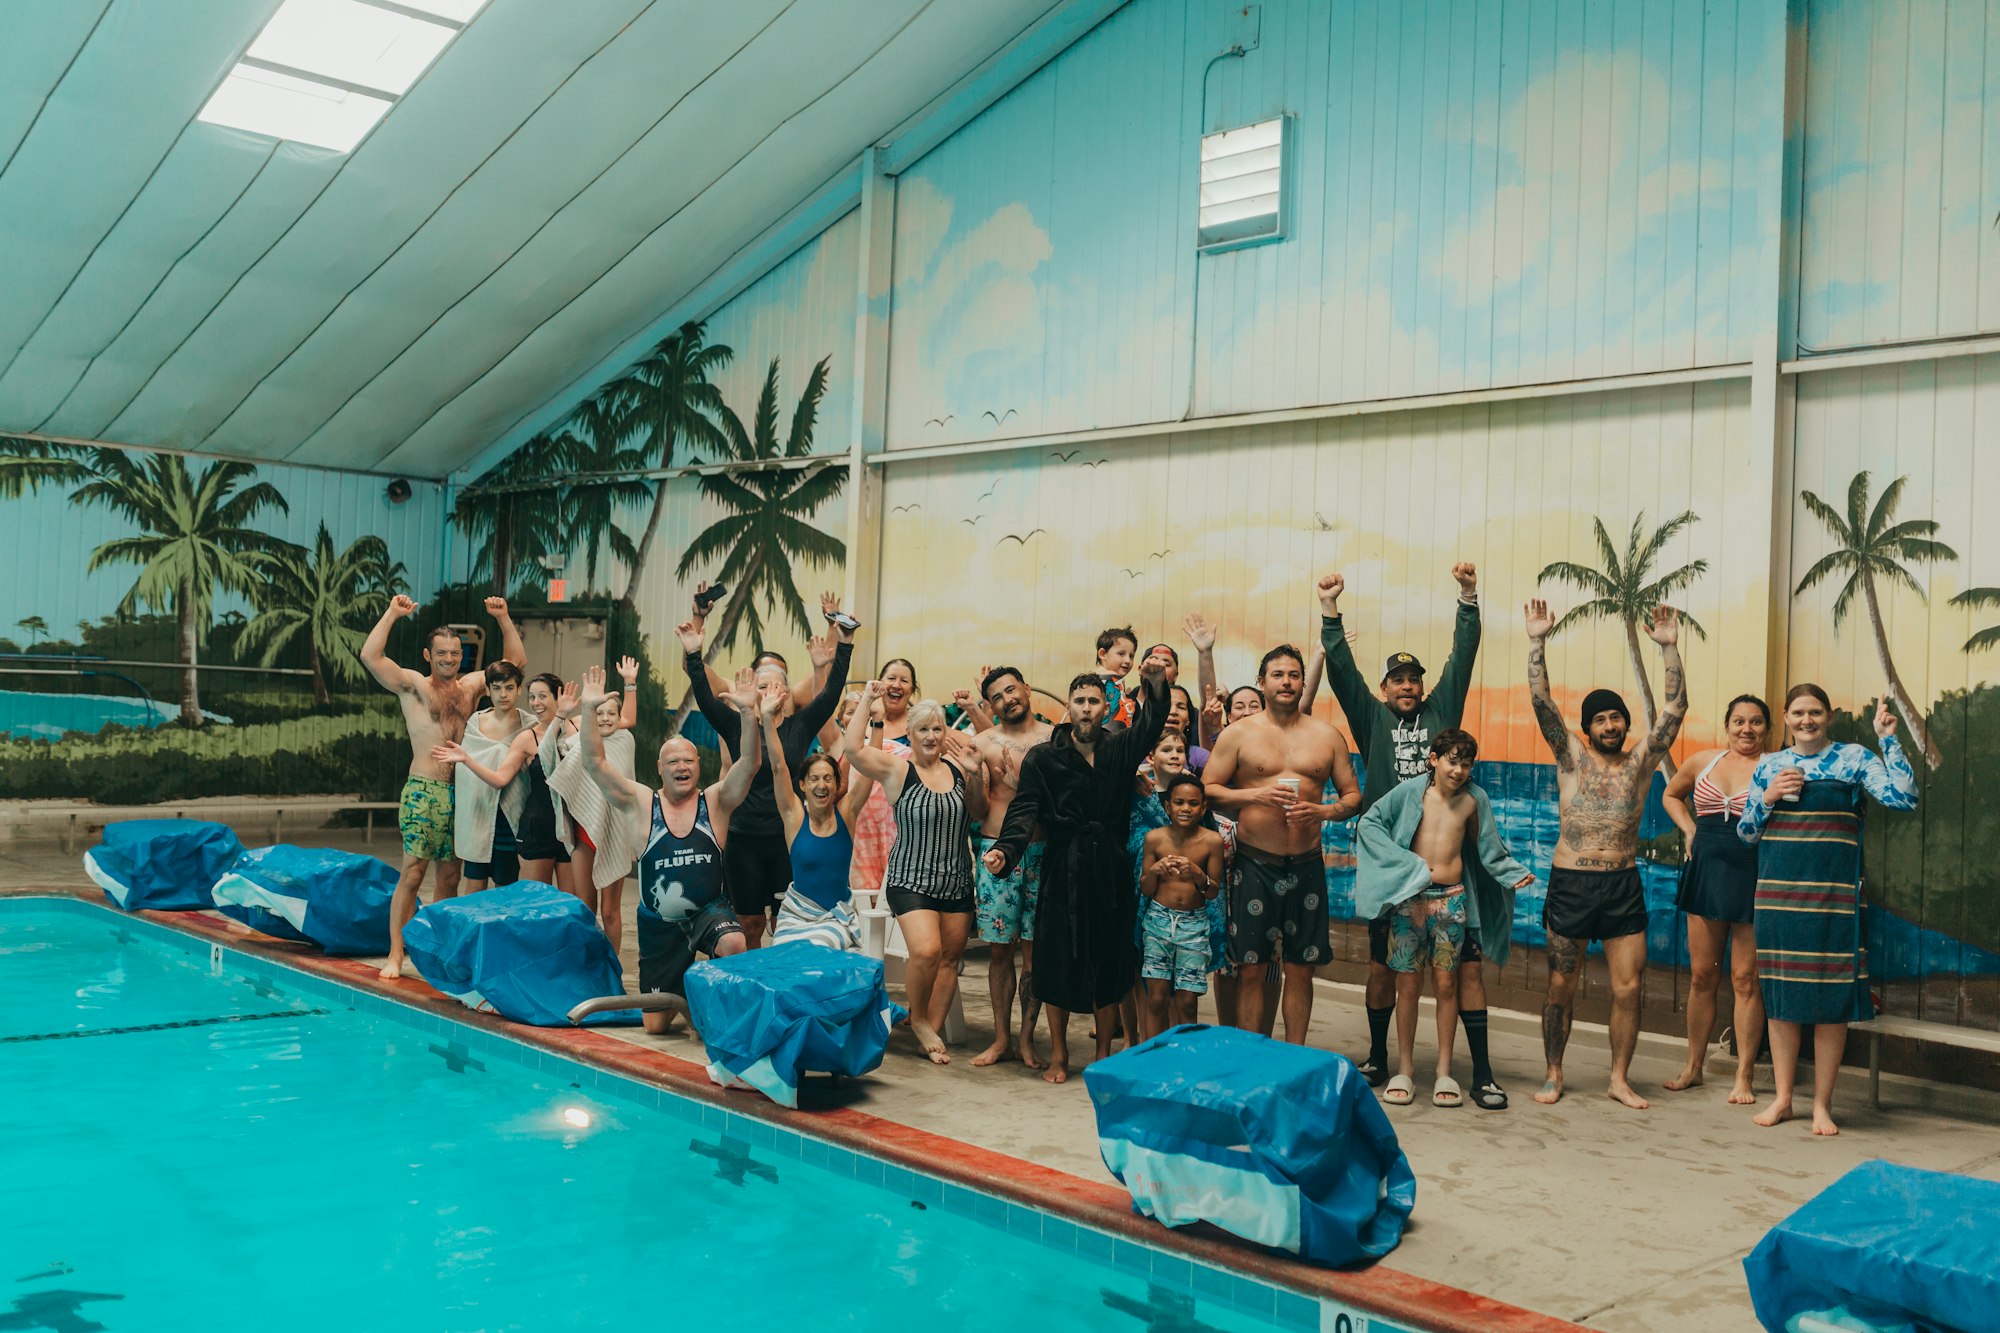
x,y
324,601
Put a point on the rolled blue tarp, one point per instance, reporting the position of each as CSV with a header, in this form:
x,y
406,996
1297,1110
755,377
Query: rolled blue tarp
x,y
528,952
162,865
337,900
1282,1145
771,1015
1884,1249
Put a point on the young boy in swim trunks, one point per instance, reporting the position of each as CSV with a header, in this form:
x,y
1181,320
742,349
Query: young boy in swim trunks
x,y
1183,870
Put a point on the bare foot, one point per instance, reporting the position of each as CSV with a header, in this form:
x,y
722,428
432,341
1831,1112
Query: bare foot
x,y
1551,1093
932,1044
1777,1113
1687,1078
1025,1052
1742,1095
391,970
1000,1050
1622,1093
1056,1073
1823,1124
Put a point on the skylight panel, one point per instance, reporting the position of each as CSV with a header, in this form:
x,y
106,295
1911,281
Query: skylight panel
x,y
324,72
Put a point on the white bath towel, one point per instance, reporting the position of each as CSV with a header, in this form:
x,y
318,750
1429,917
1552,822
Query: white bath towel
x,y
580,802
474,804
800,918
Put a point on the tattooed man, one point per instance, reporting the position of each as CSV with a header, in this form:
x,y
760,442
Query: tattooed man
x,y
1594,889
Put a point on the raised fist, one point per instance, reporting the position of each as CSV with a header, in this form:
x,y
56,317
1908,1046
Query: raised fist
x,y
1330,588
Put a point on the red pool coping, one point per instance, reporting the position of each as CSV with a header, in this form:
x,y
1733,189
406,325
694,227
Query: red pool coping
x,y
1377,1290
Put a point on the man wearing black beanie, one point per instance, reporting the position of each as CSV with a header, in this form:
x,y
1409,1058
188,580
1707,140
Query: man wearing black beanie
x,y
1594,889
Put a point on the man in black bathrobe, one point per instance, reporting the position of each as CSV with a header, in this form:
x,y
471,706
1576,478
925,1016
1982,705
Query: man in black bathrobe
x,y
1078,786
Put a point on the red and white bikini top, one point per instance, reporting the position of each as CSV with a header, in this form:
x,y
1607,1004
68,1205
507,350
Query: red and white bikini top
x,y
1710,799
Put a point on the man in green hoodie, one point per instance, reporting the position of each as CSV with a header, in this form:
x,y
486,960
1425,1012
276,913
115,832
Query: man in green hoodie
x,y
1393,730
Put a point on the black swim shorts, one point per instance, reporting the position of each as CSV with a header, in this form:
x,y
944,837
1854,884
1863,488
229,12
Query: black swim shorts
x,y
1595,904
1277,908
667,949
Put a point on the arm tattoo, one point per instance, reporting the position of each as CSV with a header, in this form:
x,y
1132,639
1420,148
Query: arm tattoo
x,y
1669,724
1546,716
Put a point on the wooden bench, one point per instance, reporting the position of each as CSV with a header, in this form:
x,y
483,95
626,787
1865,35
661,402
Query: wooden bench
x,y
75,816
1943,1034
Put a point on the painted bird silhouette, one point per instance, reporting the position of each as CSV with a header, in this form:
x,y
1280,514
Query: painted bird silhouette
x,y
1158,555
904,509
1099,463
1133,573
1064,458
972,522
988,414
1021,538
939,421
987,494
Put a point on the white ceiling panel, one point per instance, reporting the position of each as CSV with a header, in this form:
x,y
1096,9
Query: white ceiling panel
x,y
560,177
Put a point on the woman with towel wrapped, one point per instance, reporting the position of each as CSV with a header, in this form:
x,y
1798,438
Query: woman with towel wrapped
x,y
818,809
601,850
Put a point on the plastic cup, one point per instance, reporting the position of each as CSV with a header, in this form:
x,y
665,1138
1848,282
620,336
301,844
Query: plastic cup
x,y
1792,768
1289,784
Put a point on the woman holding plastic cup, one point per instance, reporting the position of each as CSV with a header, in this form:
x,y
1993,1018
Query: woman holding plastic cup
x,y
1804,813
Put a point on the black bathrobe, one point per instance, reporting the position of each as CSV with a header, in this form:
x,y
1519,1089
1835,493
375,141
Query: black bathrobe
x,y
1085,955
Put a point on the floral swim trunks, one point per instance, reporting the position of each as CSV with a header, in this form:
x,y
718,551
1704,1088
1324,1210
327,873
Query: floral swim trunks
x,y
425,818
1006,903
1438,940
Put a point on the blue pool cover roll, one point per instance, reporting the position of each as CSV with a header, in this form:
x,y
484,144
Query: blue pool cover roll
x,y
337,900
1887,1248
1282,1145
162,865
769,1016
525,951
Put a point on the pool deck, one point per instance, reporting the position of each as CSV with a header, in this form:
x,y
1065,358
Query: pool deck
x,y
1584,1211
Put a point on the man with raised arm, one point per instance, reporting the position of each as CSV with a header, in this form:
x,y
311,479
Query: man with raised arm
x,y
435,709
1594,887
760,859
1006,903
683,899
1261,773
1393,731
1078,789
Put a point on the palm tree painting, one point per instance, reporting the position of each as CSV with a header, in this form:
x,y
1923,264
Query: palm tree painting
x,y
767,526
1625,590
1982,599
1871,545
325,601
513,515
674,401
193,536
36,628
594,451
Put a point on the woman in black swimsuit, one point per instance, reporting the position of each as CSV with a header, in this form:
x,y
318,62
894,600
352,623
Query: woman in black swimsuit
x,y
936,793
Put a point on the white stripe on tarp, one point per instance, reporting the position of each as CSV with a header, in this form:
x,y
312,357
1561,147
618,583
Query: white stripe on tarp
x,y
1179,1189
241,891
117,889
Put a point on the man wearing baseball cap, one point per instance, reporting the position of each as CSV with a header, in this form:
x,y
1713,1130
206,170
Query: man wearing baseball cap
x,y
1393,731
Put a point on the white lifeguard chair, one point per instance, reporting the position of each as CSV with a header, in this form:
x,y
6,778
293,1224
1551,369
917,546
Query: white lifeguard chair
x,y
882,938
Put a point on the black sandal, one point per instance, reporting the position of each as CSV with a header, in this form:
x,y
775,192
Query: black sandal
x,y
1489,1096
1376,1074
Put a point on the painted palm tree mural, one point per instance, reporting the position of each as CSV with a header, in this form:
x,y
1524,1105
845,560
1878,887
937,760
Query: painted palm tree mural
x,y
512,517
594,450
675,402
35,626
325,601
193,537
1870,546
767,526
1626,590
1980,599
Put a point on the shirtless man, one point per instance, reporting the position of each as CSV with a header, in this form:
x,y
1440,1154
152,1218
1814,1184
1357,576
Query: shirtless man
x,y
435,709
1006,912
1277,883
1594,889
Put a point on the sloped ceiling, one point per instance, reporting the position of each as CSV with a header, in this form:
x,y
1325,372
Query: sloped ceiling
x,y
567,171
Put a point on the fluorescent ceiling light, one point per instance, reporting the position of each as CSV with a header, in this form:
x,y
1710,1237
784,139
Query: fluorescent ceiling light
x,y
298,109
351,43
323,72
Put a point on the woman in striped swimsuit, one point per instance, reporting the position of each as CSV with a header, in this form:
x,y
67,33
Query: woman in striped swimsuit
x,y
1804,813
928,882
1718,882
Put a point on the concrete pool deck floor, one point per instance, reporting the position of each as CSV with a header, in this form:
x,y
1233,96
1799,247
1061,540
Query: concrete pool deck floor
x,y
1584,1211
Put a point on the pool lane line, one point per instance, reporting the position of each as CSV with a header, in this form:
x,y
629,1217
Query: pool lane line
x,y
1418,1302
208,1022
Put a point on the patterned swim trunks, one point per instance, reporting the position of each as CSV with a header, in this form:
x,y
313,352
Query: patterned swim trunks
x,y
1176,947
1438,940
425,817
1006,903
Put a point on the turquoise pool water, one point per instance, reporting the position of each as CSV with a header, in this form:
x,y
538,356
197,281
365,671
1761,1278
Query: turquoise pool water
x,y
47,717
195,1138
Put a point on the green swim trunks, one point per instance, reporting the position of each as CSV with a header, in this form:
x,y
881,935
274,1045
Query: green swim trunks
x,y
425,818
